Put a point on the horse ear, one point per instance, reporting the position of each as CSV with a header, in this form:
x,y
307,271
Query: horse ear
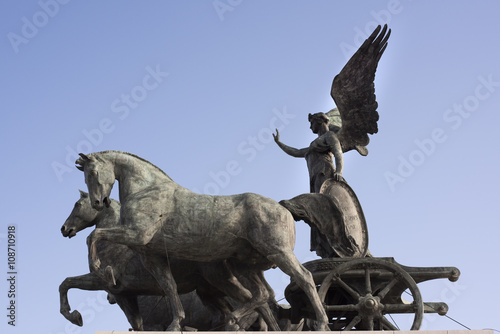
x,y
83,194
81,161
85,158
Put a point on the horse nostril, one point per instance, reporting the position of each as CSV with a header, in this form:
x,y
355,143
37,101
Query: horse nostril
x,y
63,228
96,202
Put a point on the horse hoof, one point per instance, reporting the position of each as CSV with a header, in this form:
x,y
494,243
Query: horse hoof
x,y
76,318
111,299
174,328
232,326
321,328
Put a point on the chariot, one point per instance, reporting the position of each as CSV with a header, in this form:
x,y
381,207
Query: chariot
x,y
359,291
362,293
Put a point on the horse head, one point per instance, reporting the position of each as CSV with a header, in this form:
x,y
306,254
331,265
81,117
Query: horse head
x,y
82,216
99,177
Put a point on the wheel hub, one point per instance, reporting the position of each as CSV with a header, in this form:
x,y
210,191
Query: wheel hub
x,y
370,306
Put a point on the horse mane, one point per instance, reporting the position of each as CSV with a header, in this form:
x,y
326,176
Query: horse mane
x,y
137,157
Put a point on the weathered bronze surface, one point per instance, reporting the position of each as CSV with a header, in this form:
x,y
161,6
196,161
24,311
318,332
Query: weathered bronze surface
x,y
164,250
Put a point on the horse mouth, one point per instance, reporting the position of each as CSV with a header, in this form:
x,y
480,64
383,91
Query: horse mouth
x,y
68,233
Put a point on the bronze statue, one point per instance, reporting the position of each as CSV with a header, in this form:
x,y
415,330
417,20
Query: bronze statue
x,y
353,91
165,240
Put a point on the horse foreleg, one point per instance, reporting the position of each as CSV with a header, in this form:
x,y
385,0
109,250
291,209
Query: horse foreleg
x,y
84,282
289,264
163,275
129,306
119,235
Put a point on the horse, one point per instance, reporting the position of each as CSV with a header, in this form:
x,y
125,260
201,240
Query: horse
x,y
159,217
133,288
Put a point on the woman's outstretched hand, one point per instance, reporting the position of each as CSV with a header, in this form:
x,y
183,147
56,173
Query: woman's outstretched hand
x,y
276,136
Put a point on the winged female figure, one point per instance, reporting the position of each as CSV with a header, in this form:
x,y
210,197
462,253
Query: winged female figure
x,y
353,91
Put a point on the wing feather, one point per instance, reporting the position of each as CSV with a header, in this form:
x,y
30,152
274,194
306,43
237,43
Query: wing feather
x,y
353,91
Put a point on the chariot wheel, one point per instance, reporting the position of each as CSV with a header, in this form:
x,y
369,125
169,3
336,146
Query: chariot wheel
x,y
360,293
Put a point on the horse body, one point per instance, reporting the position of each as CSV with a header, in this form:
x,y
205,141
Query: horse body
x,y
212,228
160,217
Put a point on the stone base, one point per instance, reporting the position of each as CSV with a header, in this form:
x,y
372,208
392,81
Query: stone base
x,y
465,331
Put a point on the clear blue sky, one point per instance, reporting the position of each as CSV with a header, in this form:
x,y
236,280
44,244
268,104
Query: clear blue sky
x,y
193,88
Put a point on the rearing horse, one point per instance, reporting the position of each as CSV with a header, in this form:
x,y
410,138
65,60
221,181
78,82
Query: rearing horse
x,y
134,289
160,217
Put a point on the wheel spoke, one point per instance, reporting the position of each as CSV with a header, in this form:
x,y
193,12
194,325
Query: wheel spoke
x,y
380,326
353,323
347,288
370,323
368,282
386,324
387,288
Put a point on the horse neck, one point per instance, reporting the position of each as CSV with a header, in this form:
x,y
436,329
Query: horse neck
x,y
134,174
108,217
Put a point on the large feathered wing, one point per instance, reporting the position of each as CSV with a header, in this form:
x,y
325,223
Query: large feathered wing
x,y
353,91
